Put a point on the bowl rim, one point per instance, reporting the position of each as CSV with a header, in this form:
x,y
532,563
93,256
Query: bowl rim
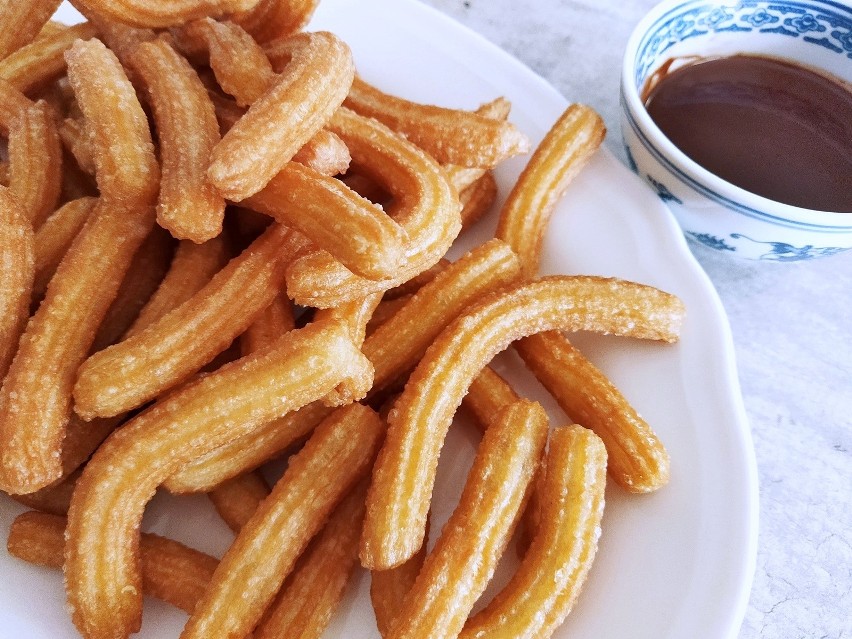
x,y
687,169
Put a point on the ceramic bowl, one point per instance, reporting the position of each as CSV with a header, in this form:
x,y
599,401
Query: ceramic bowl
x,y
712,211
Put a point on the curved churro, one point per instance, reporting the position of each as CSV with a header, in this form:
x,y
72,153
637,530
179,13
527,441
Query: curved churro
x,y
158,14
102,575
336,456
309,596
126,170
17,270
352,230
35,401
544,588
393,529
35,162
271,19
472,541
638,461
188,205
54,237
562,153
171,571
118,378
237,60
451,136
425,207
22,22
37,64
306,93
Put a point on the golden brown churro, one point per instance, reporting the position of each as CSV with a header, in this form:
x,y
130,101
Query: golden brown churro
x,y
55,236
237,60
237,499
417,425
355,232
117,379
336,456
102,575
457,570
451,136
310,595
191,268
306,93
159,13
35,162
17,270
22,22
638,461
188,206
565,149
126,170
544,588
171,571
388,588
425,207
35,65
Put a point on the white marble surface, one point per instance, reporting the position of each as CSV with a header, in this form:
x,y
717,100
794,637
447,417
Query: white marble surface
x,y
792,328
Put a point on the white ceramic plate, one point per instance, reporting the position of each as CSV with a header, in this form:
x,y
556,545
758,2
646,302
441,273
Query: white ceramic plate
x,y
674,564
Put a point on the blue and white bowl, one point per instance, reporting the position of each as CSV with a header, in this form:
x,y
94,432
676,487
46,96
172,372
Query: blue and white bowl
x,y
814,33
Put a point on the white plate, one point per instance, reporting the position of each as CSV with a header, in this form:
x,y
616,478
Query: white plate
x,y
671,565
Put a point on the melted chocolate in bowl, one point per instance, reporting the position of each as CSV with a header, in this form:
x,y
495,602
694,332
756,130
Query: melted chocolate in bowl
x,y
776,129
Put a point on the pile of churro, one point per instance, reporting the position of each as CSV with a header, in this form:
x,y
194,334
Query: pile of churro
x,y
222,248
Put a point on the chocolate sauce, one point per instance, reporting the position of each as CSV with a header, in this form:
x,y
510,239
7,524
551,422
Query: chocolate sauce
x,y
773,128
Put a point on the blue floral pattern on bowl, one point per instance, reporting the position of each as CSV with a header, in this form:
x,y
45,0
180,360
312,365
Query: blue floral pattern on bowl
x,y
829,28
776,251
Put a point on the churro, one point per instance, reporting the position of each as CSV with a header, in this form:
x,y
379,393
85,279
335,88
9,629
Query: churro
x,y
192,266
17,270
22,22
144,275
237,60
118,378
417,425
352,230
388,588
35,162
472,541
337,455
127,172
565,149
310,595
638,461
237,499
425,206
451,136
271,19
546,584
102,575
171,572
159,13
188,205
38,63
305,94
